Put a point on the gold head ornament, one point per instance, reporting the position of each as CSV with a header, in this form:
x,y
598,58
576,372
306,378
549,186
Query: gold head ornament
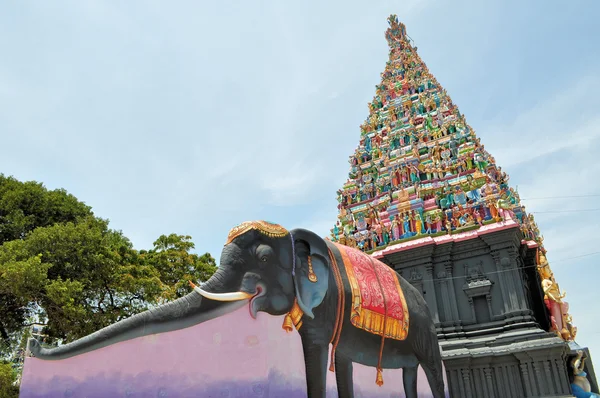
x,y
265,228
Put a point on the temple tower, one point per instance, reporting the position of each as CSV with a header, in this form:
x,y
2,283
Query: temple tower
x,y
425,197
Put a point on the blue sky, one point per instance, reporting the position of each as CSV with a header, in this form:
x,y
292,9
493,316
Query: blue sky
x,y
190,118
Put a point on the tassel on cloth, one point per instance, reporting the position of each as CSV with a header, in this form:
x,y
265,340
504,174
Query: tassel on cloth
x,y
379,379
288,325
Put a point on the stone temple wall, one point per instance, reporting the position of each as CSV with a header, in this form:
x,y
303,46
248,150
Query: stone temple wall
x,y
485,296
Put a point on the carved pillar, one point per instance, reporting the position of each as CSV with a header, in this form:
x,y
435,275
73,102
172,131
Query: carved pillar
x,y
554,376
526,378
430,297
448,266
506,282
517,276
489,303
501,281
472,305
539,378
487,371
443,284
466,376
549,378
560,366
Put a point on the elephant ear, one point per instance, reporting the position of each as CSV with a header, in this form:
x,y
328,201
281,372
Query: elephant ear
x,y
312,270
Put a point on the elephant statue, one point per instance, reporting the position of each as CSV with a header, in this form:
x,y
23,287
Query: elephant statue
x,y
319,286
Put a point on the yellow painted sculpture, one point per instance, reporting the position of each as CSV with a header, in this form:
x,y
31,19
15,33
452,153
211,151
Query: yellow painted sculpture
x,y
561,321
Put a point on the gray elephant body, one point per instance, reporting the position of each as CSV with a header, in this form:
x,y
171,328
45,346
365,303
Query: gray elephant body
x,y
358,346
272,269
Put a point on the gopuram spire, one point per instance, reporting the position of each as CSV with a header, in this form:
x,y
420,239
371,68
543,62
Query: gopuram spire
x,y
419,171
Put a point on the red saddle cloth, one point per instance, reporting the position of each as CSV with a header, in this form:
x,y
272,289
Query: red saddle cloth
x,y
378,303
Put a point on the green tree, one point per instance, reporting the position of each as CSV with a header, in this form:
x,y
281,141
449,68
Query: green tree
x,y
7,379
82,276
60,263
172,258
25,206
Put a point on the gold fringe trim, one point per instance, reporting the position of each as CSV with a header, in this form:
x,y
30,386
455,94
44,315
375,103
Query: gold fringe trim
x,y
367,319
374,322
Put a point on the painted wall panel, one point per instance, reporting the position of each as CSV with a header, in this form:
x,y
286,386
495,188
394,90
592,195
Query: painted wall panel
x,y
230,356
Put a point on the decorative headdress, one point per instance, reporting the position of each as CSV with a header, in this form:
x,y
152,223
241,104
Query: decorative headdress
x,y
264,227
273,231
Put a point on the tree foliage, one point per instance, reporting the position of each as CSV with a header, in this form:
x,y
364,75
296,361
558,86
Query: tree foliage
x,y
62,264
171,257
25,206
7,380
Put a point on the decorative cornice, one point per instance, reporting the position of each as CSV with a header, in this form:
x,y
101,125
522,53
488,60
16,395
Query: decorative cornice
x,y
485,230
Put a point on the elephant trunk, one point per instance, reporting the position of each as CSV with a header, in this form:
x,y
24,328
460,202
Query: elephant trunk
x,y
179,314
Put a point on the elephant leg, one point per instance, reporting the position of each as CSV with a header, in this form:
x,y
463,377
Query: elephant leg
x,y
315,363
343,376
431,362
436,382
409,378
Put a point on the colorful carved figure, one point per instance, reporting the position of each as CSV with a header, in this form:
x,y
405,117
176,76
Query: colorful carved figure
x,y
553,298
581,386
428,223
321,286
395,228
379,232
438,222
427,147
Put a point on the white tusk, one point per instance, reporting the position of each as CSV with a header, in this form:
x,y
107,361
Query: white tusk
x,y
236,296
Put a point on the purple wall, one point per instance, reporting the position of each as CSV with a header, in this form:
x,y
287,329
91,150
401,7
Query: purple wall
x,y
230,356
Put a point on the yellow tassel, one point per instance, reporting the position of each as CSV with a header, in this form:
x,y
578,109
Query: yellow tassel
x,y
288,325
379,379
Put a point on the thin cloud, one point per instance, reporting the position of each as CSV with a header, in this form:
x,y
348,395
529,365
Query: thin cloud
x,y
568,119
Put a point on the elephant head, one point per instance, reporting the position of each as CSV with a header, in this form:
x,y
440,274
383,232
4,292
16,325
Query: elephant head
x,y
274,268
262,264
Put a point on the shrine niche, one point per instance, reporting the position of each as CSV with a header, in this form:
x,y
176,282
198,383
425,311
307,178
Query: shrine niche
x,y
478,287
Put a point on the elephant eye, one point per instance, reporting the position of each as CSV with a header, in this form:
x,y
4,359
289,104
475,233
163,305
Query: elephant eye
x,y
264,253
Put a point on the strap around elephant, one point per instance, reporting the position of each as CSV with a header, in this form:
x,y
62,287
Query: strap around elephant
x,y
293,255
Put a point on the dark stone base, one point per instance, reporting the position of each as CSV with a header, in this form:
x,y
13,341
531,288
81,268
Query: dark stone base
x,y
513,364
487,302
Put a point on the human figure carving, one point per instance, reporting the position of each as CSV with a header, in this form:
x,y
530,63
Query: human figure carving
x,y
581,386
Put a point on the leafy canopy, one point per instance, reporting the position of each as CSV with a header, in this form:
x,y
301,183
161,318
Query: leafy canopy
x,y
7,380
61,264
